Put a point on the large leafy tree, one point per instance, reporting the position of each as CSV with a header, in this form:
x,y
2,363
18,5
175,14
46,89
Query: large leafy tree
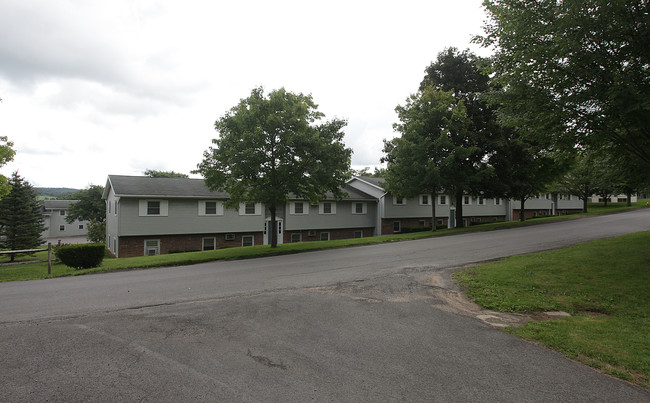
x,y
153,173
271,146
21,216
6,154
574,71
584,178
461,74
90,205
430,153
92,208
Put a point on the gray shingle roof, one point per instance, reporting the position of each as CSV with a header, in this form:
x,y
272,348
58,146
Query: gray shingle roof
x,y
144,186
125,186
58,204
379,182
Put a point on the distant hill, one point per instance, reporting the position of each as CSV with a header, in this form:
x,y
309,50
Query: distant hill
x,y
54,193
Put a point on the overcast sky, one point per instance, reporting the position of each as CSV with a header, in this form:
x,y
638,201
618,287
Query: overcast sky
x,y
92,88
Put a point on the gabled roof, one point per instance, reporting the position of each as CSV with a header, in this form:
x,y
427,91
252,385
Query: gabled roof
x,y
144,186
58,204
376,182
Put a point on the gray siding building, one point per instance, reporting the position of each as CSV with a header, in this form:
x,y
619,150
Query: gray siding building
x,y
55,213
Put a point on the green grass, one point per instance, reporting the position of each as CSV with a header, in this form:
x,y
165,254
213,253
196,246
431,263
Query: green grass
x,y
604,284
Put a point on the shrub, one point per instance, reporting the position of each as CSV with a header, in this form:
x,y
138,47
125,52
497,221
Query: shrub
x,y
81,256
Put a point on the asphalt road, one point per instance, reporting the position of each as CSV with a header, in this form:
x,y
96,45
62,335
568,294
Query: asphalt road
x,y
355,324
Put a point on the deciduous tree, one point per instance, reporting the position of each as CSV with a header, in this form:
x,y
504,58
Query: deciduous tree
x,y
90,205
92,208
430,151
574,71
272,146
152,173
6,154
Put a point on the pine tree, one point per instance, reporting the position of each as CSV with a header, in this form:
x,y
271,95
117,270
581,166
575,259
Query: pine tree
x,y
21,216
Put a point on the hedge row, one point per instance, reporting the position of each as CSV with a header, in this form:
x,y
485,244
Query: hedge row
x,y
81,256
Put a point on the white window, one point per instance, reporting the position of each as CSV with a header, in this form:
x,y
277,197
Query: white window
x,y
151,247
481,201
115,209
109,206
422,223
247,240
399,201
497,201
327,208
397,226
229,237
440,221
425,200
443,200
209,243
467,200
298,208
324,236
153,208
359,208
61,227
210,207
61,212
81,226
250,209
358,234
296,237
311,233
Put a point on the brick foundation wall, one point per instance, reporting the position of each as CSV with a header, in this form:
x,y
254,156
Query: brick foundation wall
x,y
387,223
542,213
346,233
131,246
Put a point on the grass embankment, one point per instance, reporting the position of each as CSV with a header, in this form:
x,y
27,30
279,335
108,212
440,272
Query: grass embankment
x,y
604,285
33,271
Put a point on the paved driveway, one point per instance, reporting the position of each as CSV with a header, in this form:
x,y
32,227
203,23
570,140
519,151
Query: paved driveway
x,y
357,324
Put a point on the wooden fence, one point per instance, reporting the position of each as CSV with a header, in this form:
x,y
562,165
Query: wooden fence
x,y
49,254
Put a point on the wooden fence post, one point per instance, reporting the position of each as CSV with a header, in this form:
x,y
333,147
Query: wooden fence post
x,y
49,258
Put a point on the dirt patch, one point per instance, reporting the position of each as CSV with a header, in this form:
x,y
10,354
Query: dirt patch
x,y
434,285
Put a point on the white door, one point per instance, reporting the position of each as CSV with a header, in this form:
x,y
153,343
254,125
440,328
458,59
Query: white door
x,y
267,233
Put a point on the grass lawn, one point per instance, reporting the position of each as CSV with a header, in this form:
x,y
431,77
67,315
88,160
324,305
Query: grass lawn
x,y
605,285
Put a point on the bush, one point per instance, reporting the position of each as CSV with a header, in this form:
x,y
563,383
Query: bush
x,y
81,256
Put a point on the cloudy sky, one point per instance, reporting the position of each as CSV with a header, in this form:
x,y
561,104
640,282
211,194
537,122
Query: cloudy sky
x,y
91,88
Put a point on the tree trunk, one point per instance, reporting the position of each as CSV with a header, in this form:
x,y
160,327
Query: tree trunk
x,y
459,209
584,204
629,199
273,229
433,212
522,210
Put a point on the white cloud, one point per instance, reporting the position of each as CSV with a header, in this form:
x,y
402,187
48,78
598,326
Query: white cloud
x,y
97,88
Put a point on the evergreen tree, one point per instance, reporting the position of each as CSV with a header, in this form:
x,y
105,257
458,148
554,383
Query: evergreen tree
x,y
21,216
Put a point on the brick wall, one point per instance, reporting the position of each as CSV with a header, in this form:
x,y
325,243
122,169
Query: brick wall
x,y
131,246
387,223
346,233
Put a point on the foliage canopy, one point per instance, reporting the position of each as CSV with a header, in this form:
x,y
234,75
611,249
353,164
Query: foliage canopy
x,y
272,146
574,72
6,154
